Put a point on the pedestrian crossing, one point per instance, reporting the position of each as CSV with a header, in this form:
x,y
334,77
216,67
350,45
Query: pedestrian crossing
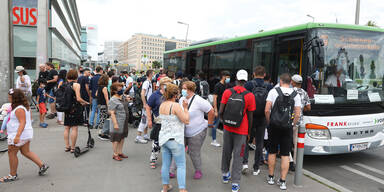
x,y
362,172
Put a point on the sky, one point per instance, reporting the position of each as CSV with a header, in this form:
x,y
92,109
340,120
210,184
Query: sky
x,y
120,19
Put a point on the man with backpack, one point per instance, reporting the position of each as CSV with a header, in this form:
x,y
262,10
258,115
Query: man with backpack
x,y
260,91
282,112
202,86
93,86
237,105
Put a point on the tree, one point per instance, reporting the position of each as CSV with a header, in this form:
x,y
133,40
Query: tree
x,y
372,24
156,65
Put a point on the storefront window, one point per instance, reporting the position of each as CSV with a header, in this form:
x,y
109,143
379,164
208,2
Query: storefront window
x,y
24,41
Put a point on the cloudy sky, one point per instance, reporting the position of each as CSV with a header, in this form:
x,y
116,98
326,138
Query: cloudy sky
x,y
120,19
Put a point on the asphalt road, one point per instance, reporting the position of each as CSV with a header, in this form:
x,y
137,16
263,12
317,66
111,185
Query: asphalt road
x,y
96,171
360,172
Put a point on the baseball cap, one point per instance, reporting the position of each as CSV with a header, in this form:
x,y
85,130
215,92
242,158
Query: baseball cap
x,y
242,75
19,68
297,79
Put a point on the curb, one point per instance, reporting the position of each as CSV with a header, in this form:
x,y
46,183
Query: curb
x,y
325,182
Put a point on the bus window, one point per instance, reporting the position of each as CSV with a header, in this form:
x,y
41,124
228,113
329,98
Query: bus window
x,y
262,54
289,56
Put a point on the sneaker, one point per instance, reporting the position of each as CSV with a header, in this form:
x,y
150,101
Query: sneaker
x,y
50,116
172,175
271,180
146,137
140,140
42,125
152,164
103,137
45,124
43,169
215,143
292,167
197,175
235,187
226,178
256,172
282,184
245,169
252,146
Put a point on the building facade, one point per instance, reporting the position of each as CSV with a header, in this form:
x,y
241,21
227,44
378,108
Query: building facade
x,y
83,45
111,51
63,38
92,42
141,50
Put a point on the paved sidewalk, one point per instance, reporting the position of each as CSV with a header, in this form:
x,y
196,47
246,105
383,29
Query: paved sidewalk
x,y
96,171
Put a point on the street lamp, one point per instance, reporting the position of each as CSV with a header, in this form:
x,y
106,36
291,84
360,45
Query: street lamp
x,y
313,18
186,36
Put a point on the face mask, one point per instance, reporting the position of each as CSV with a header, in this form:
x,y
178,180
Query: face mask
x,y
227,80
184,93
120,92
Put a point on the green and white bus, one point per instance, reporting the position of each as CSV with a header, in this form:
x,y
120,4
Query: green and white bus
x,y
342,68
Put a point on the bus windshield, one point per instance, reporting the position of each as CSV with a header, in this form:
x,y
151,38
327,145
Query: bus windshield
x,y
353,70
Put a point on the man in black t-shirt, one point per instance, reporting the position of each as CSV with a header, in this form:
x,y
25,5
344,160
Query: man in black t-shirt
x,y
51,84
225,78
85,93
43,74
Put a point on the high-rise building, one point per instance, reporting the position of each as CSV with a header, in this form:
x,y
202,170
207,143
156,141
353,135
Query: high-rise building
x,y
142,49
63,34
83,41
111,51
92,42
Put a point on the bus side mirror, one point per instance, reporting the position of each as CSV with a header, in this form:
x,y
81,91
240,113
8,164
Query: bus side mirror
x,y
318,52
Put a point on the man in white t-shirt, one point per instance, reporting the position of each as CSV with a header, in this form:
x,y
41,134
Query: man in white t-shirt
x,y
280,139
129,85
146,92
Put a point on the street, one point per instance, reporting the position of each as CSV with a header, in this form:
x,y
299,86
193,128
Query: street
x,y
362,171
96,171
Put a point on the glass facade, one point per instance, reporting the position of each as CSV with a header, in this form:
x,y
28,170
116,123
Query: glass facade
x,y
24,41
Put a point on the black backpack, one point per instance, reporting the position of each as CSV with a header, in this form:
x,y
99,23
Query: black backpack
x,y
204,89
260,92
282,110
234,109
64,97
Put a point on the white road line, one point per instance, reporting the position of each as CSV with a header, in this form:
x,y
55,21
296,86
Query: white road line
x,y
363,174
325,181
378,171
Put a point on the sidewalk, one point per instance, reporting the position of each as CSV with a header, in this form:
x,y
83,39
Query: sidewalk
x,y
96,171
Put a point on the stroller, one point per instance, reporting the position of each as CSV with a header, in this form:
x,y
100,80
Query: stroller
x,y
4,111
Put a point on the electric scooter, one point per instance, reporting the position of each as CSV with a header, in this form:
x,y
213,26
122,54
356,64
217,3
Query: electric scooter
x,y
90,144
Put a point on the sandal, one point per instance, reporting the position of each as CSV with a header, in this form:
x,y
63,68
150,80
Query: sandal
x,y
170,187
43,169
8,178
72,150
116,157
67,149
123,156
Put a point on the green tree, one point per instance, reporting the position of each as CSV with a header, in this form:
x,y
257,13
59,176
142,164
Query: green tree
x,y
372,24
156,65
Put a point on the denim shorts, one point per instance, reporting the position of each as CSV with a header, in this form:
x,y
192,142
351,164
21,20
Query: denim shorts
x,y
50,100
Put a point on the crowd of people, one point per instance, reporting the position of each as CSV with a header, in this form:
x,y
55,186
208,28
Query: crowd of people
x,y
176,115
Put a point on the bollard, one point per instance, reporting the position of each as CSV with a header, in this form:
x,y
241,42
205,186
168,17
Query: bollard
x,y
300,156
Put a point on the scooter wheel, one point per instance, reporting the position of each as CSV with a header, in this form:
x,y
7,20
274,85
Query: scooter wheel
x,y
92,143
77,151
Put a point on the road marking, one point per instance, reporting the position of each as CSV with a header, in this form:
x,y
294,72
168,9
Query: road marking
x,y
363,174
378,171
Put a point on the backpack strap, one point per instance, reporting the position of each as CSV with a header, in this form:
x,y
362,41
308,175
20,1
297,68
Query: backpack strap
x,y
278,89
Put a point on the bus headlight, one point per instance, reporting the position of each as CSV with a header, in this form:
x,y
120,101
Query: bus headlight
x,y
318,131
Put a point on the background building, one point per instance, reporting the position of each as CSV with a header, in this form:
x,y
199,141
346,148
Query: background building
x,y
64,29
142,49
92,42
83,45
111,51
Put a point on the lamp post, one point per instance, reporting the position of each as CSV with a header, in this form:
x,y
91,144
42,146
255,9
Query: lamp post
x,y
313,18
186,36
357,14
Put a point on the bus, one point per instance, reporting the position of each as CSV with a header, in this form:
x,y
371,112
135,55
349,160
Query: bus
x,y
342,68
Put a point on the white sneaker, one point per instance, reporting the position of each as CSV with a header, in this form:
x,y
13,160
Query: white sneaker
x,y
283,185
215,143
256,172
271,180
245,169
252,146
146,137
140,140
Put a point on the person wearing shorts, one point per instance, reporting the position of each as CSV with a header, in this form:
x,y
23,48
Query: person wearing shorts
x,y
41,97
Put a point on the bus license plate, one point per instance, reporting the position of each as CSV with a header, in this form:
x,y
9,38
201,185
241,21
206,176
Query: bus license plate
x,y
358,146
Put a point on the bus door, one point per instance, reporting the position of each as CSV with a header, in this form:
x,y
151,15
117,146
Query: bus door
x,y
206,62
191,64
263,54
290,54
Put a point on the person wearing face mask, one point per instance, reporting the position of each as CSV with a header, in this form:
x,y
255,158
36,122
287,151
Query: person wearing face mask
x,y
153,119
118,108
225,79
196,130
